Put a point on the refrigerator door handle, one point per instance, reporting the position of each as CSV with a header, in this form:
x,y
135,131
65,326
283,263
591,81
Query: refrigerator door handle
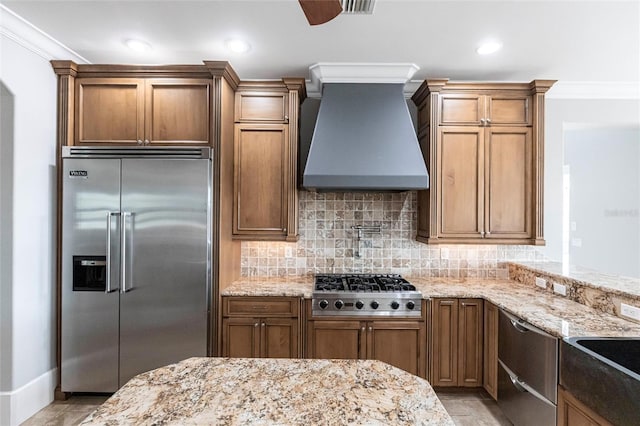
x,y
108,288
123,251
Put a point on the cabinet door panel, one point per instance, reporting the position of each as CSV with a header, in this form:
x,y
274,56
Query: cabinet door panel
x,y
279,338
260,179
241,337
444,364
461,180
470,343
109,111
177,111
461,109
336,339
401,344
490,356
509,110
261,106
508,188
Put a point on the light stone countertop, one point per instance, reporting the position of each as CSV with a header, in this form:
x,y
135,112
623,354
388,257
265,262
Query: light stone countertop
x,y
260,391
296,286
615,284
556,315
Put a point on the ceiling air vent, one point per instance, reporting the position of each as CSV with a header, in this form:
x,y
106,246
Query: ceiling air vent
x,y
357,7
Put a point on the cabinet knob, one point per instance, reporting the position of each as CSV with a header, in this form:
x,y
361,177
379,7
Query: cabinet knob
x,y
488,121
482,234
483,121
286,118
139,141
255,325
264,324
488,233
362,329
146,141
370,328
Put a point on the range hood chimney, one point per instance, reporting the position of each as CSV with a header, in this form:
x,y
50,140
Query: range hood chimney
x,y
364,139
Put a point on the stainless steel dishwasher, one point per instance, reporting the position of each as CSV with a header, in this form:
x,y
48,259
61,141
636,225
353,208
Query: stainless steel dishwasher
x,y
527,372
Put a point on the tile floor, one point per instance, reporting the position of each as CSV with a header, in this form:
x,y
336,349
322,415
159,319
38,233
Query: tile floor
x,y
466,408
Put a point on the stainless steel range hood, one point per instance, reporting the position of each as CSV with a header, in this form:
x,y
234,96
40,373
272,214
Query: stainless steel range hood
x,y
364,140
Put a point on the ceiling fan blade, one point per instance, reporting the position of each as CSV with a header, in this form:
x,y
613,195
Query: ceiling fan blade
x,y
320,11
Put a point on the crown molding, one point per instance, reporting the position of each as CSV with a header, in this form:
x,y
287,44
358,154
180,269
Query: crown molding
x,y
27,35
357,72
594,90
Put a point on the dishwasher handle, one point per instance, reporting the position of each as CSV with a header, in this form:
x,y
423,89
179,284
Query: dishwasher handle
x,y
522,386
523,326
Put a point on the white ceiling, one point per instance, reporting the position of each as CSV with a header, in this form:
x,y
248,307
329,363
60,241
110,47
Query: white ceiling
x,y
596,41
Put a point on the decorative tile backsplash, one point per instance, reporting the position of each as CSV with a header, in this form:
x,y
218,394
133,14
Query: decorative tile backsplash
x,y
328,244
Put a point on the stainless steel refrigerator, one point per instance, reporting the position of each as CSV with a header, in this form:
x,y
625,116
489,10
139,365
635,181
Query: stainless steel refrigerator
x,y
136,262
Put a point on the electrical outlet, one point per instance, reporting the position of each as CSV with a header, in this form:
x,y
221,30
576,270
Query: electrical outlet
x,y
565,328
288,252
560,289
541,282
576,242
444,253
630,311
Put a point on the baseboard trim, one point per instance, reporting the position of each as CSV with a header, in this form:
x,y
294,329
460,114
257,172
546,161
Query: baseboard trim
x,y
18,405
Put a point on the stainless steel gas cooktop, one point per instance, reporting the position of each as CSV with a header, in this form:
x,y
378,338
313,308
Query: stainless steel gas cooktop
x,y
365,295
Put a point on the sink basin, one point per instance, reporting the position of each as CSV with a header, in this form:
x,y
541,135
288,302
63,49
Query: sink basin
x,y
604,373
621,352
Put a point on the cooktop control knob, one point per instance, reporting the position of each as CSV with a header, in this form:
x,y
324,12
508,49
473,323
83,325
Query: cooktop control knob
x,y
359,304
411,304
323,304
395,305
375,304
339,304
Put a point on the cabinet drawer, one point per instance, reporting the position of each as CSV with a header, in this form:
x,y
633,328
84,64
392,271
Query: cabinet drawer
x,y
261,106
260,306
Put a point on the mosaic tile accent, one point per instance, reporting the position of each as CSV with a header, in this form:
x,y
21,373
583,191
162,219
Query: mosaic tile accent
x,y
328,243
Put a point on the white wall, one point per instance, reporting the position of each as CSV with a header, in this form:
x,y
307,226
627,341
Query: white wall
x,y
562,114
27,211
604,169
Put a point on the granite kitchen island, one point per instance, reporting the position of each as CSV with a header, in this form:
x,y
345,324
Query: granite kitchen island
x,y
260,391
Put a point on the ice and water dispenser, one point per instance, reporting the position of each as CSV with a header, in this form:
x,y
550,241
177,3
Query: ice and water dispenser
x,y
89,273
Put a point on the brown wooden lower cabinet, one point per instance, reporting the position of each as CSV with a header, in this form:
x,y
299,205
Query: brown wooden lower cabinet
x,y
456,342
572,412
401,343
261,327
490,364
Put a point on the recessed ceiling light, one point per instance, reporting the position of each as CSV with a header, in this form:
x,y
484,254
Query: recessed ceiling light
x,y
137,45
488,48
237,45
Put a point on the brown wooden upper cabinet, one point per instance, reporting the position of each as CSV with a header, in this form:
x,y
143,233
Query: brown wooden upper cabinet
x,y
265,203
262,106
485,110
483,146
138,111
